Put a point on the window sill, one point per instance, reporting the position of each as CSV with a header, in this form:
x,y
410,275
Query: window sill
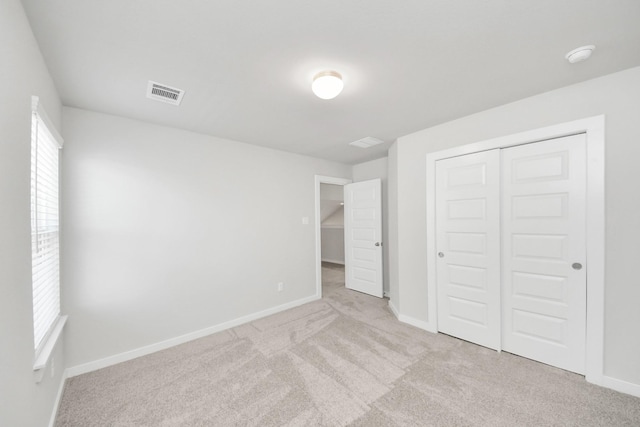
x,y
42,359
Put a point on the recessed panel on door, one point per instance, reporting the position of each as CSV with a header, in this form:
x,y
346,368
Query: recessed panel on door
x,y
466,209
471,312
539,329
543,287
468,244
473,175
539,206
364,254
549,166
362,234
368,214
539,246
467,276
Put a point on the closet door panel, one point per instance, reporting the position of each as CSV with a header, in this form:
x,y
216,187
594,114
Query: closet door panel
x,y
468,269
543,258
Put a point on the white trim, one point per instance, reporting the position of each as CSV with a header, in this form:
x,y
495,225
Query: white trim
x,y
36,107
393,309
594,369
594,129
172,342
417,323
50,342
620,385
319,179
56,403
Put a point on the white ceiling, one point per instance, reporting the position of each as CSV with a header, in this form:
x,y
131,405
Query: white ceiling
x,y
246,66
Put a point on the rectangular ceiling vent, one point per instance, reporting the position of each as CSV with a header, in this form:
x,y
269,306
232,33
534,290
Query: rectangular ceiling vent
x,y
366,142
164,93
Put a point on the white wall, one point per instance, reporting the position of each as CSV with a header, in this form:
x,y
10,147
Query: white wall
x,y
336,219
393,250
168,232
332,192
23,402
332,242
331,201
372,170
618,97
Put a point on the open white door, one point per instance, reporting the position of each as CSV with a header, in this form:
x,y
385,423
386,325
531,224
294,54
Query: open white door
x,y
363,237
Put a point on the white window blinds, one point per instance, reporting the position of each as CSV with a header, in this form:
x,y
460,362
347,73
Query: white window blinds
x,y
45,144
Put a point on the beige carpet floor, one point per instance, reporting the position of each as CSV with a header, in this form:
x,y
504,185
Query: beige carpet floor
x,y
342,360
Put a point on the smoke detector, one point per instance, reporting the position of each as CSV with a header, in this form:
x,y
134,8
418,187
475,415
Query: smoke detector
x,y
580,54
366,142
164,93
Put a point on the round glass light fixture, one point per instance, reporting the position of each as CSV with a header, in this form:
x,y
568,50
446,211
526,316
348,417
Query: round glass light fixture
x,y
580,54
327,84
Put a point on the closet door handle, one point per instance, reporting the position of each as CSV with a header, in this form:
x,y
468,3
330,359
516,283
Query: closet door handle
x,y
576,266
441,255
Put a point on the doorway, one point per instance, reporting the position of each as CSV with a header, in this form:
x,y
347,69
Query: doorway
x,y
331,190
332,236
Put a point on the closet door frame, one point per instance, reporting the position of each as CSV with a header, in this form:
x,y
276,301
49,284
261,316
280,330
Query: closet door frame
x,y
593,128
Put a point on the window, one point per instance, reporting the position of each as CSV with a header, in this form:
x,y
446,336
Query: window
x,y
45,264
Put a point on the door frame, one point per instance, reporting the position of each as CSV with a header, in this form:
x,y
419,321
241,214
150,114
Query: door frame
x,y
593,127
319,179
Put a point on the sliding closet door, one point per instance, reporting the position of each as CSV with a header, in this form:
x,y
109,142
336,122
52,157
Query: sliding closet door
x,y
468,244
544,256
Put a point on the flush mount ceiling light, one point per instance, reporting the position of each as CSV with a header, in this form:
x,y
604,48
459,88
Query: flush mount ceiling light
x,y
327,84
580,54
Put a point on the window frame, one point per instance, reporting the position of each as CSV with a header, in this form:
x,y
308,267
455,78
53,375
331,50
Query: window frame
x,y
44,343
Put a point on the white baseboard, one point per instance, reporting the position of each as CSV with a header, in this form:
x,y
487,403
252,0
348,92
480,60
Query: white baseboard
x,y
621,386
394,310
56,403
410,320
172,342
333,261
417,323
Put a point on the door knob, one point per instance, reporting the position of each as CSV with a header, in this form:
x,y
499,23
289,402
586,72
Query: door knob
x,y
377,243
576,266
440,254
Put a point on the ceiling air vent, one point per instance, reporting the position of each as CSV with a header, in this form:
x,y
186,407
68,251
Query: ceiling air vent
x,y
164,93
366,142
